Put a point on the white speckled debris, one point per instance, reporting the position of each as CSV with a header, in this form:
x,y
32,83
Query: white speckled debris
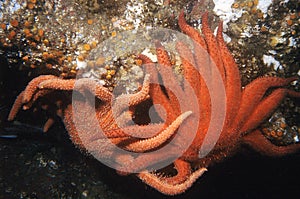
x,y
225,12
270,60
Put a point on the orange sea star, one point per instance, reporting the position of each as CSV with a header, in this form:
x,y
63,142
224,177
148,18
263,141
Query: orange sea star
x,y
188,105
246,108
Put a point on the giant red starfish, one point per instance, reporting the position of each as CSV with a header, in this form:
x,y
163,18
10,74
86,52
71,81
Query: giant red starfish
x,y
245,110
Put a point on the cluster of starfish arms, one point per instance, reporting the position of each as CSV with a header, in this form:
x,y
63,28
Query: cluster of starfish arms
x,y
246,108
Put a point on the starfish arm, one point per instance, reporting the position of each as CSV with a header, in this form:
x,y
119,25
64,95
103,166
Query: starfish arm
x,y
114,133
170,189
143,94
126,100
136,131
233,79
191,74
183,169
212,46
88,140
264,109
106,118
70,126
32,86
204,99
97,143
190,31
29,96
124,118
146,161
254,93
294,94
16,107
203,63
156,93
48,124
205,113
191,82
211,69
170,82
136,98
37,95
260,143
161,138
58,84
78,84
163,58
19,102
200,82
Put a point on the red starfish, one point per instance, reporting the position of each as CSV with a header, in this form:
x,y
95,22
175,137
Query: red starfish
x,y
246,108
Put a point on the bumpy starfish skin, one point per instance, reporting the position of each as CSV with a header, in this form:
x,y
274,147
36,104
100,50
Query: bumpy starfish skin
x,y
97,121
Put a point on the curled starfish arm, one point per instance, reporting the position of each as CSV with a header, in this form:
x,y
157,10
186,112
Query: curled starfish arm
x,y
19,102
168,188
259,87
151,69
27,104
136,98
122,103
249,100
143,94
265,108
126,100
79,85
37,95
33,86
68,119
114,133
27,97
183,169
260,143
161,138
